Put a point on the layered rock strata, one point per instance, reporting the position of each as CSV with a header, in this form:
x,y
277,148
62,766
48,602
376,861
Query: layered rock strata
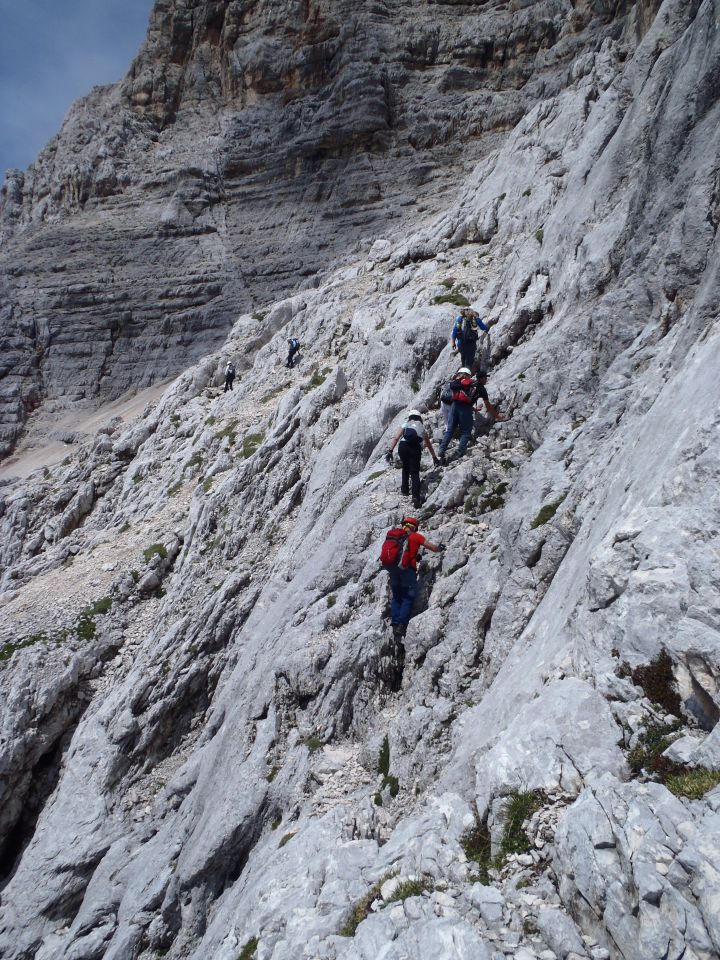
x,y
250,147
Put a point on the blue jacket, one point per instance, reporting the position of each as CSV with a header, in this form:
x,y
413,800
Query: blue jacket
x,y
456,332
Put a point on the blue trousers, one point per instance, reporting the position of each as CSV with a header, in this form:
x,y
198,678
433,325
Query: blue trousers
x,y
461,416
403,584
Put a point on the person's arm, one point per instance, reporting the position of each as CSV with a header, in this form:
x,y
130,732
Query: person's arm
x,y
389,454
456,332
428,444
495,414
483,326
435,547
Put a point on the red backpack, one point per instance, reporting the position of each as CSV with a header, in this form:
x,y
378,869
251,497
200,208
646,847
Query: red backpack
x,y
463,390
391,552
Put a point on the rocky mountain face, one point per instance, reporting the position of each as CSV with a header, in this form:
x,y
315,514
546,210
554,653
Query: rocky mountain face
x,y
210,745
251,146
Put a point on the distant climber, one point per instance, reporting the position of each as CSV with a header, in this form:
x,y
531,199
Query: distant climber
x,y
465,335
229,376
293,347
466,390
409,440
398,556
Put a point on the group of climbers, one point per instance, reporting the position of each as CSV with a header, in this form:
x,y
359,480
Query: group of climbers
x,y
458,401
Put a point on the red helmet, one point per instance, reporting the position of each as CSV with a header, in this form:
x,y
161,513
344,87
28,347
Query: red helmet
x,y
410,522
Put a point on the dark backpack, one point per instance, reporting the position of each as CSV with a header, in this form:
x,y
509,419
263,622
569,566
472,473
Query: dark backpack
x,y
446,395
463,390
469,330
410,436
294,344
392,550
231,370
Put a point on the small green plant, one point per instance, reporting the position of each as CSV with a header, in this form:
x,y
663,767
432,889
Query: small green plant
x,y
495,500
526,397
286,839
138,477
125,527
85,628
520,376
502,196
526,193
540,235
456,298
100,607
378,799
316,380
159,593
135,574
374,476
448,284
414,386
694,783
175,488
210,421
9,649
657,680
380,325
229,431
391,782
175,418
546,513
250,444
156,549
411,888
361,910
276,823
249,950
521,806
272,773
313,743
507,464
331,600
195,460
477,846
207,483
647,754
259,315
384,757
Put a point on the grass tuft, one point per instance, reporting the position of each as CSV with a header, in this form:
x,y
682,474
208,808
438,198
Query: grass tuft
x,y
546,514
457,299
693,784
249,950
153,550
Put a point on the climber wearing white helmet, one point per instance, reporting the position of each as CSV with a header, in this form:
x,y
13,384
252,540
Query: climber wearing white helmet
x,y
409,440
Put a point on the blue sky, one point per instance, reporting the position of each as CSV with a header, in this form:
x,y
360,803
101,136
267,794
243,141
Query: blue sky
x,y
51,53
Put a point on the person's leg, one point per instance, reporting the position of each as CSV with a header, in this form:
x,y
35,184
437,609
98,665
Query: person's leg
x,y
450,430
446,409
409,592
414,468
465,416
396,588
404,454
467,353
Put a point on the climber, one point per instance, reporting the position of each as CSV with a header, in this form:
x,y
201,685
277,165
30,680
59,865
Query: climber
x,y
466,390
399,557
229,376
465,334
293,347
410,438
481,378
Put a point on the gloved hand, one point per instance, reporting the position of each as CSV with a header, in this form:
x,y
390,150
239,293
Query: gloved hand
x,y
436,461
389,456
441,547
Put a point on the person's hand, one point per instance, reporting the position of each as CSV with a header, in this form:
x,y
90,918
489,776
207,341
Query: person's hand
x,y
442,547
436,461
389,456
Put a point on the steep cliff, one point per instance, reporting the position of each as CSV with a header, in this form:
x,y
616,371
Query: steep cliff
x,y
198,677
251,145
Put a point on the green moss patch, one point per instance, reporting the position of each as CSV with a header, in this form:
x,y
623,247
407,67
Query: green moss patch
x,y
454,297
657,680
411,888
546,514
694,783
250,444
156,549
249,951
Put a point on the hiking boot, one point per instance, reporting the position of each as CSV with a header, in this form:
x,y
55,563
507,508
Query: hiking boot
x,y
442,460
417,502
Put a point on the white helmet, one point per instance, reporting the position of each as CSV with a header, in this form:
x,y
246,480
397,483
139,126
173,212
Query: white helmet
x,y
465,371
414,413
